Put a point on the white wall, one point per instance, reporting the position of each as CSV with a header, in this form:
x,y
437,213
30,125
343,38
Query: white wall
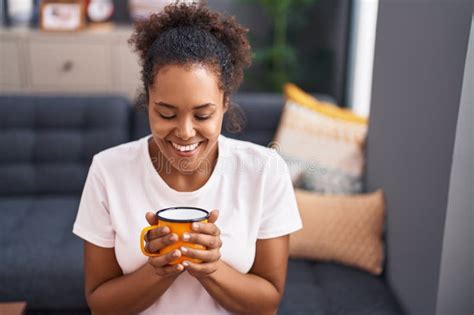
x,y
361,55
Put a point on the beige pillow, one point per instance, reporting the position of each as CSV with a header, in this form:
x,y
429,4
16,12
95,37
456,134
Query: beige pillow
x,y
343,229
329,138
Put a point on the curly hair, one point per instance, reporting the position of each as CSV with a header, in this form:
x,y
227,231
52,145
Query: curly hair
x,y
187,34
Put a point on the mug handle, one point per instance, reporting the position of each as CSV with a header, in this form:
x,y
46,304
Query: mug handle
x,y
142,242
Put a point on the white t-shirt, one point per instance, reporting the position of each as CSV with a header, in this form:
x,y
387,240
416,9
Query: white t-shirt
x,y
250,186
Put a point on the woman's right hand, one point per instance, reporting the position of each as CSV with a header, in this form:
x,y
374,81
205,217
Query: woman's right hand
x,y
155,240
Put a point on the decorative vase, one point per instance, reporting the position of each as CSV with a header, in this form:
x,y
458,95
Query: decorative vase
x,y
19,12
100,11
142,9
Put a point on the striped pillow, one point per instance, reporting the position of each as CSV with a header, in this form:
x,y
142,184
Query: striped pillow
x,y
325,141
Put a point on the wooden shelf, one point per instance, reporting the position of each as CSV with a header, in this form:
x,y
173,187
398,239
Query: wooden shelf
x,y
89,61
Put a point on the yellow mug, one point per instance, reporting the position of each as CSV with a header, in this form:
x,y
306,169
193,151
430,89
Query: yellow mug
x,y
178,220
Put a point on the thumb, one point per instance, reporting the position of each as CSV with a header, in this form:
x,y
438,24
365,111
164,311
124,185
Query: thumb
x,y
151,218
213,216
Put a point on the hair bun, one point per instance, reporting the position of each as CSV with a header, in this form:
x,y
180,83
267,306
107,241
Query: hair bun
x,y
192,33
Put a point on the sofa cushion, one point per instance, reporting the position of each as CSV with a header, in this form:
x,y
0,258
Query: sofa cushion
x,y
50,140
140,124
343,229
261,112
41,260
327,288
355,292
329,137
303,295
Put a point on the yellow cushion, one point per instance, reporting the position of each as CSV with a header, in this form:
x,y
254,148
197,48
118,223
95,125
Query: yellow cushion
x,y
343,229
294,93
330,138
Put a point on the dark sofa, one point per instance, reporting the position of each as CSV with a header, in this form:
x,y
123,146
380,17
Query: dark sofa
x,y
46,146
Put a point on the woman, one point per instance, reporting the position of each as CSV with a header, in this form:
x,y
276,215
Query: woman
x,y
192,61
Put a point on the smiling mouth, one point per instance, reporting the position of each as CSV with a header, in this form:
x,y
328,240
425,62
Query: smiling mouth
x,y
185,148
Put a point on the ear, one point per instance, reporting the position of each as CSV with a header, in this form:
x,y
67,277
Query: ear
x,y
226,103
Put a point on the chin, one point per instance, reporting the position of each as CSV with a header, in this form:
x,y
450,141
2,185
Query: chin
x,y
185,160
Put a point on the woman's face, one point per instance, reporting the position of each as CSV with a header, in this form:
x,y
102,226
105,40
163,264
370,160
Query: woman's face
x,y
186,110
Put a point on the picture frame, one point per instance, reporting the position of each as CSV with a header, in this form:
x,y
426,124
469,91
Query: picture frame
x,y
62,15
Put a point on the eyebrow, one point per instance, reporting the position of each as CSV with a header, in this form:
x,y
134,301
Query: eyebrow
x,y
174,107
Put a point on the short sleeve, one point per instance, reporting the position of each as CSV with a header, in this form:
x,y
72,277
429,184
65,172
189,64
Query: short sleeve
x,y
280,215
93,222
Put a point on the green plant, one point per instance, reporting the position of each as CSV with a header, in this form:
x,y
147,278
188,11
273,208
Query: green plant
x,y
280,54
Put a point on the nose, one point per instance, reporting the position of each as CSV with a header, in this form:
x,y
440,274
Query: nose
x,y
185,129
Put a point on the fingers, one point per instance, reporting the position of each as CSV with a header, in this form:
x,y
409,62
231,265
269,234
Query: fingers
x,y
206,228
170,270
162,266
209,241
156,244
213,216
151,218
200,270
156,233
204,255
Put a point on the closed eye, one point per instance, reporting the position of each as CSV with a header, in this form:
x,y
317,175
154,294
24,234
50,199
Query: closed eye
x,y
167,117
203,117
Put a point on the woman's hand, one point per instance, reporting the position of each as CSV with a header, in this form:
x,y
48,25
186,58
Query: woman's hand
x,y
207,234
155,240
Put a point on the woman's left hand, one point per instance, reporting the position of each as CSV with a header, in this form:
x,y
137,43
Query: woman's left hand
x,y
207,234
